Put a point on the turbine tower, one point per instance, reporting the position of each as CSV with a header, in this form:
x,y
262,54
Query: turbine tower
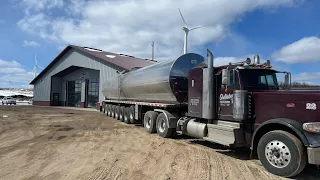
x,y
36,66
186,31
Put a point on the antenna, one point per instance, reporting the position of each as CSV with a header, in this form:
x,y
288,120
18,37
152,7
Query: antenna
x,y
36,66
186,31
152,45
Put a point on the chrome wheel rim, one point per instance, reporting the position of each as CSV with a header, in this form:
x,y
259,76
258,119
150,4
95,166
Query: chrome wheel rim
x,y
148,123
162,125
278,154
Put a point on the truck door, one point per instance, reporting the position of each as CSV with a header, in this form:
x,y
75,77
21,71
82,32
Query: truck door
x,y
225,96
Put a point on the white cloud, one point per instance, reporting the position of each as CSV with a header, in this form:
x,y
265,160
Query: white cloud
x,y
304,50
38,5
30,43
126,26
309,77
219,61
14,72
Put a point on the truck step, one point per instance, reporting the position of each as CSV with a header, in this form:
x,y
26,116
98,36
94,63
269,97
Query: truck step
x,y
226,133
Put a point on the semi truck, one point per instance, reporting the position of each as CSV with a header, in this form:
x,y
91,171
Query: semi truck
x,y
235,105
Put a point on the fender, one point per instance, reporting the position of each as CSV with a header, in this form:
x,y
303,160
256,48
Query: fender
x,y
170,118
292,124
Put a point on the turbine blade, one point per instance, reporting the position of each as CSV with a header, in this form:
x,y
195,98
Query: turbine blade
x,y
40,67
183,18
196,28
35,60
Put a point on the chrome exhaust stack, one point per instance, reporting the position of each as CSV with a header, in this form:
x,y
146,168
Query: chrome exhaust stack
x,y
211,89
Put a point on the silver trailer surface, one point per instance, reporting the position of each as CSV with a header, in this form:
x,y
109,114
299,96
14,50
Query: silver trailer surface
x,y
165,82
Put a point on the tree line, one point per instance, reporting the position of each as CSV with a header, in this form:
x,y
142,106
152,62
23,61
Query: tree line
x,y
299,85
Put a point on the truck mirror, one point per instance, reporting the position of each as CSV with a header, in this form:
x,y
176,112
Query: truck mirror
x,y
225,76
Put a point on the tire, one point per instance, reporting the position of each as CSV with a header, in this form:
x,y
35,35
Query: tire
x,y
290,149
113,108
116,112
162,127
126,118
103,108
131,115
121,113
109,110
149,121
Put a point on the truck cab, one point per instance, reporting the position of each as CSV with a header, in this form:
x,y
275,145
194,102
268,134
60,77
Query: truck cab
x,y
280,126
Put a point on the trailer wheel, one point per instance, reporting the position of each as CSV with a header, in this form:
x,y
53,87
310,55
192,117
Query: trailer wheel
x,y
116,112
121,113
109,110
103,108
149,121
282,153
126,118
131,114
113,108
162,127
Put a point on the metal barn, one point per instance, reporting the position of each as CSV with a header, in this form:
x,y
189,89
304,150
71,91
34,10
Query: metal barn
x,y
74,78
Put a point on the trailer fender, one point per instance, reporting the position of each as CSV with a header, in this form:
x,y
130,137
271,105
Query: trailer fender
x,y
277,124
170,118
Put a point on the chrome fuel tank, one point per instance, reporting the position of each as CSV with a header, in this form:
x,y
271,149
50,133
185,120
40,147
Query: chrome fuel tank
x,y
164,82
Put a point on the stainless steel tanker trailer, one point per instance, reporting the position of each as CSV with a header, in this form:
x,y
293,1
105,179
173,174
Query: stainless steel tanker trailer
x,y
229,105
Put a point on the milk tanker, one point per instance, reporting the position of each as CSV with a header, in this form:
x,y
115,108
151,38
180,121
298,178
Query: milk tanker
x,y
165,82
236,105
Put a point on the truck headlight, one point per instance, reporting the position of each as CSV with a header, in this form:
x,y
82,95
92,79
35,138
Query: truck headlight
x,y
312,127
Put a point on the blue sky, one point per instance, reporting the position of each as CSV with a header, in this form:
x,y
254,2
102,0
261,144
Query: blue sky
x,y
284,31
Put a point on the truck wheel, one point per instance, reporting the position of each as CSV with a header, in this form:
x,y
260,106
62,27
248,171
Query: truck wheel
x,y
121,113
149,121
126,118
282,153
116,112
162,126
131,114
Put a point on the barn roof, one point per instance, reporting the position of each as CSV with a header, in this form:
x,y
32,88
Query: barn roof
x,y
123,61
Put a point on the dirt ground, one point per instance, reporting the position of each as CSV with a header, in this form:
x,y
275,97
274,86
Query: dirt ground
x,y
53,143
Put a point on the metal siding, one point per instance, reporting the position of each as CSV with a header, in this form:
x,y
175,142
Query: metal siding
x,y
72,58
56,86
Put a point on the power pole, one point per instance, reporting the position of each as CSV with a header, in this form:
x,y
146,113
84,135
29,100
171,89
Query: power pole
x,y
152,45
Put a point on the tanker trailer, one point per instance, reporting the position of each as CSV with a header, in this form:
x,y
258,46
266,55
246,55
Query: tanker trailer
x,y
165,82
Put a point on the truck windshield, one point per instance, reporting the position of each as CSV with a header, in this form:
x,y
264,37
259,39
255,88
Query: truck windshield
x,y
258,79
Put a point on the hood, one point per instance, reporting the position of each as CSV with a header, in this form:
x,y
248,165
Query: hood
x,y
300,105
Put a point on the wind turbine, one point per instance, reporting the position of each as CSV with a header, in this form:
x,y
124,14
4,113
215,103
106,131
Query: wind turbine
x,y
36,66
186,30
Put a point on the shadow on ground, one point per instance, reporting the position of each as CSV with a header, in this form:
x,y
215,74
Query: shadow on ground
x,y
311,172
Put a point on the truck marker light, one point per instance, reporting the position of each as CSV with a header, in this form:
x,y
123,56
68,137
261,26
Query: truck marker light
x,y
291,105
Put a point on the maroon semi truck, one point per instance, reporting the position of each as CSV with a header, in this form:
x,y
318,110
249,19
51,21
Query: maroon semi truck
x,y
236,105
